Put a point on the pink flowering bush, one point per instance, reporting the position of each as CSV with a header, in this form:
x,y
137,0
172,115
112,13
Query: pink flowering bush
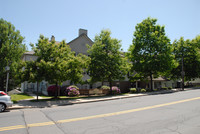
x,y
73,91
116,90
52,90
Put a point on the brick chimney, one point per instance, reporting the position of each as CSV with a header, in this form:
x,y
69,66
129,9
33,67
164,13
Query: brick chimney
x,y
52,38
82,31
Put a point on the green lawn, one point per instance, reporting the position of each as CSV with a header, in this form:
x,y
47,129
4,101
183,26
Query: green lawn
x,y
22,96
50,98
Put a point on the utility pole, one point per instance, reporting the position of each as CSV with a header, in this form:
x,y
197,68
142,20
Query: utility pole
x,y
37,82
37,89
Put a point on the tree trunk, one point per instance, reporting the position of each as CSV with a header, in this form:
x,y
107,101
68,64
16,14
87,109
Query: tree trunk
x,y
56,93
151,77
110,83
182,73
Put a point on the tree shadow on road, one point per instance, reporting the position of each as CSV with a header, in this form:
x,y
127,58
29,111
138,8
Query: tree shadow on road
x,y
161,92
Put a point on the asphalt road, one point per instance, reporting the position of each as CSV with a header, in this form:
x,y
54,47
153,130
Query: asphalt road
x,y
174,113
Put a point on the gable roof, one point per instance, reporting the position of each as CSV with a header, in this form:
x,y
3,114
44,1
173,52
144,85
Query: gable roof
x,y
82,35
29,53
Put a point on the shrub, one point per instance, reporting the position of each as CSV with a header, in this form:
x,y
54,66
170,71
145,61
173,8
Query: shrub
x,y
116,90
169,88
105,87
52,90
155,90
133,90
164,88
143,90
73,91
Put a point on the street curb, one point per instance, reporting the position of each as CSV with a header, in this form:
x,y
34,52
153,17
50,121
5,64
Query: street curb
x,y
98,100
19,107
122,97
95,100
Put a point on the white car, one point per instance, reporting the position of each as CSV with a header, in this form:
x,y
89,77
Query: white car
x,y
5,101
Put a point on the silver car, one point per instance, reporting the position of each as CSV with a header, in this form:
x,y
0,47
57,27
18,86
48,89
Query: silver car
x,y
5,101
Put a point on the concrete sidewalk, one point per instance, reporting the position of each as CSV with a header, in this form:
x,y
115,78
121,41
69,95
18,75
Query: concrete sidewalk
x,y
42,104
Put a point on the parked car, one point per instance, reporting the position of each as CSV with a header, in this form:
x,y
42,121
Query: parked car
x,y
5,101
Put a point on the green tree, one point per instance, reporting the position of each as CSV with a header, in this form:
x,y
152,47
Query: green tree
x,y
31,71
57,63
151,51
187,55
196,42
108,63
11,50
27,71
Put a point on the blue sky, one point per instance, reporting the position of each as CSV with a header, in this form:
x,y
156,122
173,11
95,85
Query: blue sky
x,y
63,18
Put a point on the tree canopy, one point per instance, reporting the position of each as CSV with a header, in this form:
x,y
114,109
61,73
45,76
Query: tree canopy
x,y
151,51
11,50
188,50
108,63
58,62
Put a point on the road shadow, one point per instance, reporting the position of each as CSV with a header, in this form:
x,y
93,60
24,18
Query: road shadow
x,y
160,92
40,104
